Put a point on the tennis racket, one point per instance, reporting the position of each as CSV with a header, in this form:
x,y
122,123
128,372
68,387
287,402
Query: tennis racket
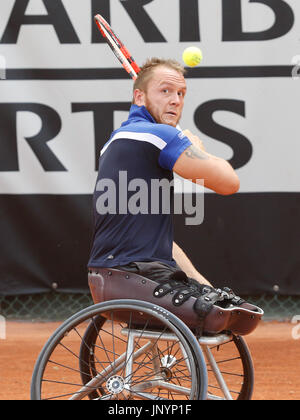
x,y
117,46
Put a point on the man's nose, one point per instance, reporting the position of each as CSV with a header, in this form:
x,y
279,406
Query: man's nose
x,y
175,99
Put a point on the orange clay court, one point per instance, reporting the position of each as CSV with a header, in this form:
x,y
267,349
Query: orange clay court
x,y
276,357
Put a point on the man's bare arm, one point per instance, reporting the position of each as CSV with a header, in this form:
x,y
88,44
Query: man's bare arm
x,y
186,265
198,166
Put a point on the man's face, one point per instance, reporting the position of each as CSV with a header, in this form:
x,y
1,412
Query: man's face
x,y
164,97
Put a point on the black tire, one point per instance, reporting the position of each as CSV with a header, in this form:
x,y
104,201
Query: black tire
x,y
246,391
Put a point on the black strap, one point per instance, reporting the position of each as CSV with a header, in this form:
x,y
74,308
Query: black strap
x,y
167,287
178,281
203,306
204,303
182,296
228,297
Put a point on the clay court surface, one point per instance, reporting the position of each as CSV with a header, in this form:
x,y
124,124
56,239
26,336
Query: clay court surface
x,y
275,353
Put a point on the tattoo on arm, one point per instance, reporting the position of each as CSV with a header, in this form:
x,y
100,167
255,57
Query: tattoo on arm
x,y
195,153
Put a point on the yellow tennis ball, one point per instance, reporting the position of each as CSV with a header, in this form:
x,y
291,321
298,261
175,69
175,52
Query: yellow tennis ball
x,y
192,56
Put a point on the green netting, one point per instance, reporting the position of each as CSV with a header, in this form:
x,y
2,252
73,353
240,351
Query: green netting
x,y
55,306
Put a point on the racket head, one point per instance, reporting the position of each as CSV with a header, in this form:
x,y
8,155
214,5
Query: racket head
x,y
117,46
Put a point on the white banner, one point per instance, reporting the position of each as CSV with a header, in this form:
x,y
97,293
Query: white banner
x,y
48,129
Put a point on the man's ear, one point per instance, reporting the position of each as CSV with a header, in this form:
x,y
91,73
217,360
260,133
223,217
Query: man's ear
x,y
139,97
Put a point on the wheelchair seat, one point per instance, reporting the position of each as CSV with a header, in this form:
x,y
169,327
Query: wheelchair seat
x,y
110,284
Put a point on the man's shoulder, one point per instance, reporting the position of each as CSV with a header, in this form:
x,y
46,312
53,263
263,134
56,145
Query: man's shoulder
x,y
166,131
163,131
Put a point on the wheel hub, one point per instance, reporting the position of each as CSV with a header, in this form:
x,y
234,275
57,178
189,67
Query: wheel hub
x,y
115,385
167,362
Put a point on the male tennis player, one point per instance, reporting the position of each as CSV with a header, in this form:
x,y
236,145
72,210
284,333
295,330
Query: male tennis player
x,y
148,147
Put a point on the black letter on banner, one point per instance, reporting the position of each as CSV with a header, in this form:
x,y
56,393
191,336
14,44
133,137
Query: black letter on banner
x,y
204,121
99,7
143,22
232,21
57,17
189,21
51,126
103,121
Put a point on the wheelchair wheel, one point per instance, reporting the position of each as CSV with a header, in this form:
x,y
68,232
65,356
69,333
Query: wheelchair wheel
x,y
230,368
121,349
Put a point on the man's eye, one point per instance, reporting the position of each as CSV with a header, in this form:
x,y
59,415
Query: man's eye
x,y
166,90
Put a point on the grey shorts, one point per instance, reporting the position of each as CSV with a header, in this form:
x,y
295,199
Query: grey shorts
x,y
154,270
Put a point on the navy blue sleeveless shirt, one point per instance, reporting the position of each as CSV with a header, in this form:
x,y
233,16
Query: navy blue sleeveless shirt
x,y
134,194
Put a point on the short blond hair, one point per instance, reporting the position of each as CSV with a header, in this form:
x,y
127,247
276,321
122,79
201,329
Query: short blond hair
x,y
150,65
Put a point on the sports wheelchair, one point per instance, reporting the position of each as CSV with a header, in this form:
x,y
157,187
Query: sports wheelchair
x,y
177,345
